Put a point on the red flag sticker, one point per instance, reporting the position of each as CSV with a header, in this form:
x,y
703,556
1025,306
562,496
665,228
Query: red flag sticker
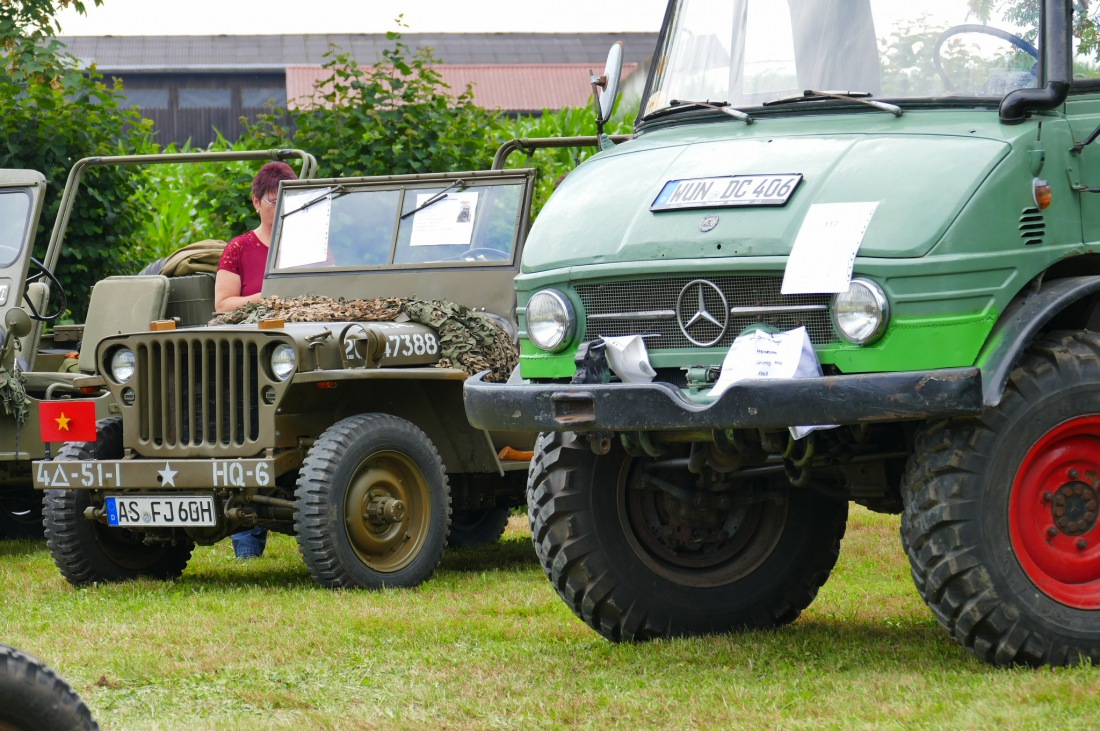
x,y
67,421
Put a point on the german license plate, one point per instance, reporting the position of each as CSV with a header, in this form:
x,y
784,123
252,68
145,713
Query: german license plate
x,y
726,191
168,511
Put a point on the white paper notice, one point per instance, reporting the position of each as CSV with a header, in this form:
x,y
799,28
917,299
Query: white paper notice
x,y
447,222
825,249
304,233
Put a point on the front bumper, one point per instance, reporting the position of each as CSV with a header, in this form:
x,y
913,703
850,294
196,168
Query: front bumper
x,y
775,403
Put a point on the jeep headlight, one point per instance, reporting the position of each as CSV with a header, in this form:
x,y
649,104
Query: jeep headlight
x,y
550,320
284,359
123,364
861,314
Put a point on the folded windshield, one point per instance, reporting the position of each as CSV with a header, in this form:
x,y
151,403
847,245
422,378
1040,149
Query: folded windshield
x,y
748,52
452,223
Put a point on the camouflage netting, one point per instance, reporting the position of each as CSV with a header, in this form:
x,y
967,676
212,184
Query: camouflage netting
x,y
471,341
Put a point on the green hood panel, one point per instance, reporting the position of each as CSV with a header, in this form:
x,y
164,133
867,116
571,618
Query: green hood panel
x,y
928,180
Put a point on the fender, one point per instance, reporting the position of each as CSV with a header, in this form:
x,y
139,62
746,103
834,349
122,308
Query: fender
x,y
1021,322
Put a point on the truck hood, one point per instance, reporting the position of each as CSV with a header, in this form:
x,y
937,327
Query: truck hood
x,y
601,211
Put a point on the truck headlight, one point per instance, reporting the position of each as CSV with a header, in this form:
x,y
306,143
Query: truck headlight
x,y
284,359
550,320
123,365
861,314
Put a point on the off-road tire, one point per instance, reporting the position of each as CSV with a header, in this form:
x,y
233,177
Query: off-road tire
x,y
578,505
34,697
21,513
988,552
478,527
364,460
87,551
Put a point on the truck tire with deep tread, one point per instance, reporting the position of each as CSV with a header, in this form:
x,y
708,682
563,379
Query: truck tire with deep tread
x,y
86,551
34,697
609,546
1000,518
373,505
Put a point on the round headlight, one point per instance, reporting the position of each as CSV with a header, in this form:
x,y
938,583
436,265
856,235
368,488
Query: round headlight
x,y
123,365
550,321
284,359
861,314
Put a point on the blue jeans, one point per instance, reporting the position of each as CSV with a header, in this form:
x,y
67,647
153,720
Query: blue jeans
x,y
250,543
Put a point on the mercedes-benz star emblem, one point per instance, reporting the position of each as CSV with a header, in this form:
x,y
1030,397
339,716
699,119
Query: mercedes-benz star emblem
x,y
702,312
708,223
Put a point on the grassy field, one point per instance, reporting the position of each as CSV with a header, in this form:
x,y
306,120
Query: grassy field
x,y
488,644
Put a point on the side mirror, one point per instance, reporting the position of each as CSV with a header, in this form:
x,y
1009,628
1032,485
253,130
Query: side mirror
x,y
606,88
17,322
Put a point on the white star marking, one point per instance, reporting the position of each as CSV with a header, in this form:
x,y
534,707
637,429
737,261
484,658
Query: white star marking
x,y
168,475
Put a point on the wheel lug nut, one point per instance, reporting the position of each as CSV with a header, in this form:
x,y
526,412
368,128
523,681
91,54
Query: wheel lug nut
x,y
1047,497
1074,474
1082,544
1052,531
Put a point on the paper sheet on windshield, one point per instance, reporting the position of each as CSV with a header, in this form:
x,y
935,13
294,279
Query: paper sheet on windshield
x,y
304,236
447,222
825,249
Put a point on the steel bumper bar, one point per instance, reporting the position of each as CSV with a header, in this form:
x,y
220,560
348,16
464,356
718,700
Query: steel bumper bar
x,y
848,399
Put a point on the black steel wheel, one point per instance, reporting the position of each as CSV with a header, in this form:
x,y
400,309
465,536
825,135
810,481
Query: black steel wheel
x,y
478,527
21,512
34,697
86,551
635,562
1000,518
373,504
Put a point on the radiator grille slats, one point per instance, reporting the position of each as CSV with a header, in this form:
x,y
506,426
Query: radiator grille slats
x,y
198,392
649,306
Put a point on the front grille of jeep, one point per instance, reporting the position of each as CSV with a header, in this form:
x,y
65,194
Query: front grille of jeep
x,y
199,392
648,306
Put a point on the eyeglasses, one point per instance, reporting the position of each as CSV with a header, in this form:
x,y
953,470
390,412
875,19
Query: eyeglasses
x,y
265,200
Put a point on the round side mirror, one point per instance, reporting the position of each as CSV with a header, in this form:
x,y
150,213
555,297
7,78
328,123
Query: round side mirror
x,y
17,322
606,87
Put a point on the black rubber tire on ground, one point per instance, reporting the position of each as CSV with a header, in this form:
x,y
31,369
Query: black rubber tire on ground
x,y
478,527
373,504
34,697
1013,581
87,551
21,512
589,523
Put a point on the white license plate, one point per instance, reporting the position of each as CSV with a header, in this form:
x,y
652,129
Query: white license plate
x,y
140,511
726,191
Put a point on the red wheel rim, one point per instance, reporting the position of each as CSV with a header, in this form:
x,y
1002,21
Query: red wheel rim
x,y
1053,513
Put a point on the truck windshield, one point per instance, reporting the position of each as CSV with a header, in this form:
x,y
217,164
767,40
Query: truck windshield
x,y
15,209
451,224
748,52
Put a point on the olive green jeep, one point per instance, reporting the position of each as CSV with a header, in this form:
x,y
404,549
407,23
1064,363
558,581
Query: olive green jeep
x,y
332,411
40,359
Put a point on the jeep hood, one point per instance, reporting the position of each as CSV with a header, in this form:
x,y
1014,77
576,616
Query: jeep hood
x,y
601,211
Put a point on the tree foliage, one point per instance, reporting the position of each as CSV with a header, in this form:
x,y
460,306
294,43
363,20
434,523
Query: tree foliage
x,y
55,113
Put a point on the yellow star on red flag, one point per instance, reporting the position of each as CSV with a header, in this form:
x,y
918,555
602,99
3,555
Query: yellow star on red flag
x,y
63,421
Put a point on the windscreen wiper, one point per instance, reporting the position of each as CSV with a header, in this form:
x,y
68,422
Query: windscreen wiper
x,y
723,107
436,198
848,96
330,193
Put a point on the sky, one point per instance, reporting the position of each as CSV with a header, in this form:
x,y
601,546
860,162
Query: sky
x,y
234,17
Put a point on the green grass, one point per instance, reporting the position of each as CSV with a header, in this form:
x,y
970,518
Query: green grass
x,y
488,644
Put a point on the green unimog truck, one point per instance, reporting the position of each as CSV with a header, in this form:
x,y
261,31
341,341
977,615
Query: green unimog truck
x,y
852,254
37,354
332,411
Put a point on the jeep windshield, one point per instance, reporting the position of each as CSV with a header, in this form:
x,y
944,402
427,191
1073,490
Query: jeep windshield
x,y
745,53
15,212
468,220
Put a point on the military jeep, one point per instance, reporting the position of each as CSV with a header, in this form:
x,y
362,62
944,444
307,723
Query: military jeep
x,y
348,432
36,354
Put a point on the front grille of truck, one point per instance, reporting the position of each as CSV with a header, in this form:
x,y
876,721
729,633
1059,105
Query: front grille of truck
x,y
199,392
648,306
